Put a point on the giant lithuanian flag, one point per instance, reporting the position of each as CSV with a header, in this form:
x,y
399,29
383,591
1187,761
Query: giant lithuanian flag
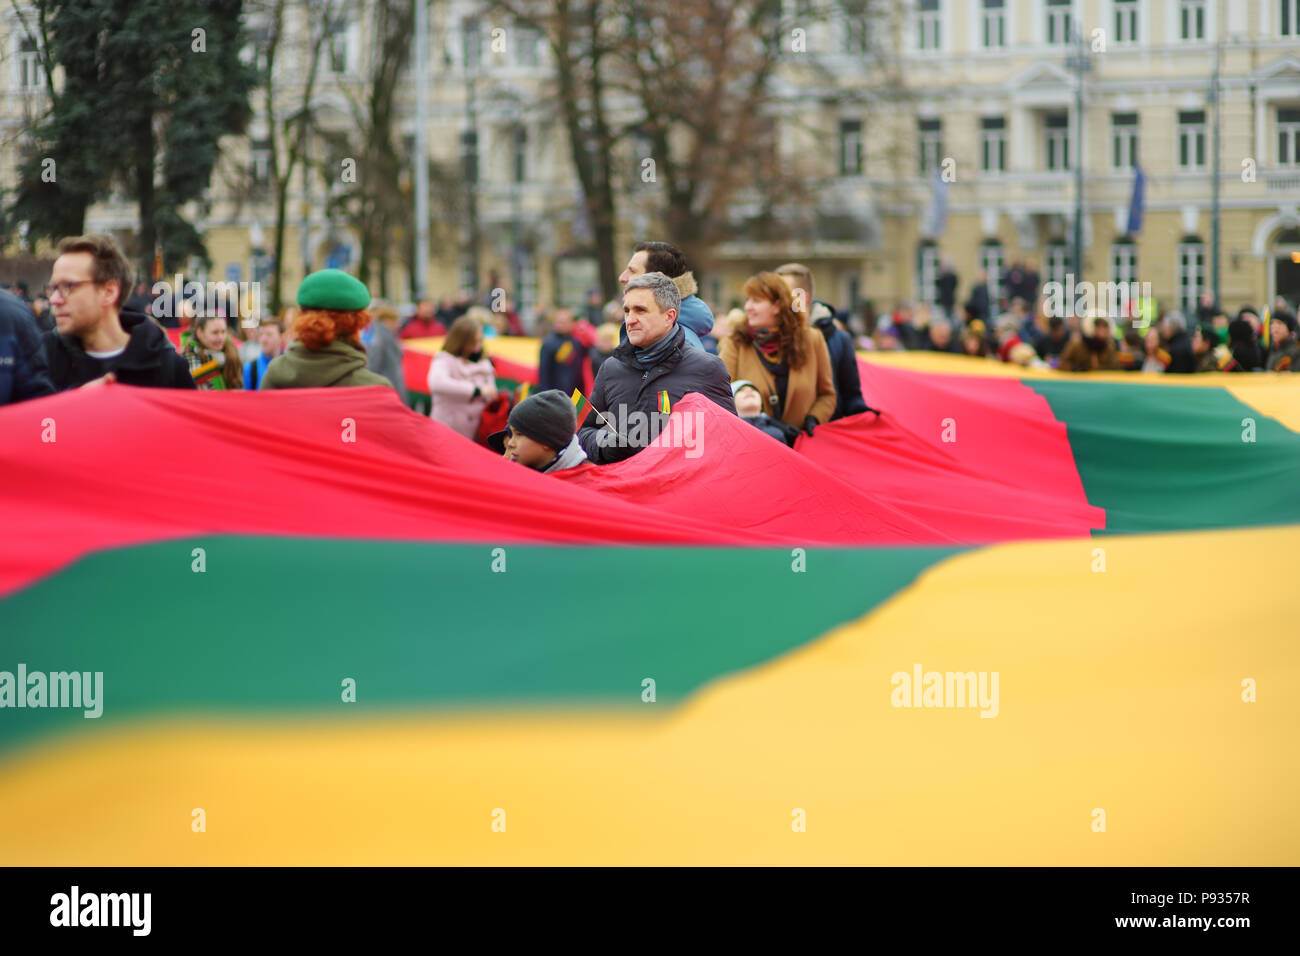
x,y
1018,619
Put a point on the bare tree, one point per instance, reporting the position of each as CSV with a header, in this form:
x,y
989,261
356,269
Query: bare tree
x,y
288,127
582,47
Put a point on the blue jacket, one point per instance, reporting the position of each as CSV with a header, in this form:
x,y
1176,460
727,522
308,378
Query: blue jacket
x,y
254,372
844,363
560,363
24,372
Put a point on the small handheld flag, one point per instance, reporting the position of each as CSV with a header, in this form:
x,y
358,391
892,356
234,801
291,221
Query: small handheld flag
x,y
1266,331
665,406
581,406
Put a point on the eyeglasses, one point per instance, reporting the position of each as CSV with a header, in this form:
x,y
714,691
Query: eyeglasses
x,y
64,289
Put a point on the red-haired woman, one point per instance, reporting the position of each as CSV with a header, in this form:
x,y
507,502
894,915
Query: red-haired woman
x,y
777,351
327,349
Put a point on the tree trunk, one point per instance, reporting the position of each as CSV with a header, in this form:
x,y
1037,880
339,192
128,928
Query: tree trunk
x,y
144,190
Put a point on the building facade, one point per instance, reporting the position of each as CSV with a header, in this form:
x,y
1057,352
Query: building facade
x,y
972,158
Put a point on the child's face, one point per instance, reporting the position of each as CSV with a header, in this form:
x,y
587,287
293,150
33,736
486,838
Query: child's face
x,y
212,336
749,403
526,451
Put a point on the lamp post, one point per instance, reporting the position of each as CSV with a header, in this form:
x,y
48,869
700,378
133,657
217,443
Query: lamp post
x,y
1213,98
1081,64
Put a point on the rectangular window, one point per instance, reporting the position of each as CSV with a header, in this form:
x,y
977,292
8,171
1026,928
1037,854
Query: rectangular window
x,y
928,275
1124,140
927,21
471,51
1191,139
29,65
1126,21
1191,276
526,43
521,154
337,46
260,162
994,24
853,29
1191,19
1288,137
1058,262
1058,22
993,144
1057,137
1123,262
853,294
931,145
991,263
1289,24
850,147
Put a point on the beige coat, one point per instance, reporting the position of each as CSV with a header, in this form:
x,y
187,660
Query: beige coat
x,y
810,390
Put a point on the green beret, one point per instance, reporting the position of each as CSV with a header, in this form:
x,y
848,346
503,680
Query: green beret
x,y
333,289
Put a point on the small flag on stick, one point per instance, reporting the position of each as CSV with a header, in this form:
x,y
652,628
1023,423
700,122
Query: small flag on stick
x,y
581,406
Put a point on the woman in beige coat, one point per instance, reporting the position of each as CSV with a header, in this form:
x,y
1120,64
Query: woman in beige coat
x,y
777,351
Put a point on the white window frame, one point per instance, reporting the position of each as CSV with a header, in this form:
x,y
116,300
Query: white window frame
x,y
1190,270
1056,262
850,165
1189,14
1190,139
929,27
1288,22
927,275
992,261
1058,22
930,144
1127,22
1288,134
993,147
855,33
1056,160
993,26
339,42
1123,139
1123,262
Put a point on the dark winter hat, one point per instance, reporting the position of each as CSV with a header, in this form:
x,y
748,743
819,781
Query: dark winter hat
x,y
546,417
333,289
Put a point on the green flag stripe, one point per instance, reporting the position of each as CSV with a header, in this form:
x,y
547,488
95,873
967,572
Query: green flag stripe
x,y
277,624
1165,459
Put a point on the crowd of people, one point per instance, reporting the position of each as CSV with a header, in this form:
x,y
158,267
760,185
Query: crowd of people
x,y
783,360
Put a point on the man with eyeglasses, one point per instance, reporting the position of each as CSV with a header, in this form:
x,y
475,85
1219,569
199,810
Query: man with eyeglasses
x,y
96,340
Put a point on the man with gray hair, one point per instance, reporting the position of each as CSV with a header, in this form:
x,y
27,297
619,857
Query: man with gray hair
x,y
649,373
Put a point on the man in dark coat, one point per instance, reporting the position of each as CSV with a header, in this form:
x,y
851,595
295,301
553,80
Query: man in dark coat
x,y
649,373
559,364
24,372
96,339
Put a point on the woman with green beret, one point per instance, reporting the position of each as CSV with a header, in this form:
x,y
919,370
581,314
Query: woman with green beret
x,y
327,352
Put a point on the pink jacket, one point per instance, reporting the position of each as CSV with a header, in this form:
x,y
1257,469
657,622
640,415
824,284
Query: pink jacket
x,y
451,383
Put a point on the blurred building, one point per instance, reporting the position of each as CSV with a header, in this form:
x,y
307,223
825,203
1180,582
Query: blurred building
x,y
971,157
